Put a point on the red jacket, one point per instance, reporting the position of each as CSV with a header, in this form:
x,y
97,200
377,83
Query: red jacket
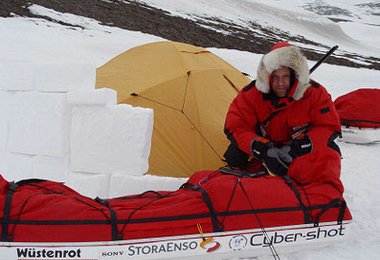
x,y
253,112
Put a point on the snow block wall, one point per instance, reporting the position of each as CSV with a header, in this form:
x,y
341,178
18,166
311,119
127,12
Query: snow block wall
x,y
54,125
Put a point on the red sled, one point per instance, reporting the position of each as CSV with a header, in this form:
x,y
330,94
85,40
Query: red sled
x,y
359,113
215,213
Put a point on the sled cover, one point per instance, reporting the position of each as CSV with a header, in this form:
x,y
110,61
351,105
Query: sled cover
x,y
359,108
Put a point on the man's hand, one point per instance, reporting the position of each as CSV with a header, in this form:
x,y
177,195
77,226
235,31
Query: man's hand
x,y
259,147
276,160
300,146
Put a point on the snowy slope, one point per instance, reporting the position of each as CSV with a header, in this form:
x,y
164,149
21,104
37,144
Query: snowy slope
x,y
34,41
292,17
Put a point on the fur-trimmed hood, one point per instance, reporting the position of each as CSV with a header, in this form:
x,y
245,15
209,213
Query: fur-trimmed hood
x,y
283,55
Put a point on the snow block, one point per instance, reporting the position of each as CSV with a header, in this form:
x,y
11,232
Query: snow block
x,y
17,76
4,164
90,185
3,145
40,124
50,168
20,167
97,97
5,98
5,104
111,140
122,185
3,135
63,77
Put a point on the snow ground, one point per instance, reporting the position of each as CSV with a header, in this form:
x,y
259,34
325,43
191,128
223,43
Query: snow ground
x,y
35,42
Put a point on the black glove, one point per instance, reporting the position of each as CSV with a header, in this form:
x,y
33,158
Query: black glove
x,y
275,159
278,158
236,157
259,148
300,146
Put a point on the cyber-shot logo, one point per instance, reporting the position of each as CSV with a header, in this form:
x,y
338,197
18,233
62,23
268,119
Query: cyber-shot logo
x,y
238,242
268,239
209,244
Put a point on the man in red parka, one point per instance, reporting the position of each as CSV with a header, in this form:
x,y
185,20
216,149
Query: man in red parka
x,y
285,122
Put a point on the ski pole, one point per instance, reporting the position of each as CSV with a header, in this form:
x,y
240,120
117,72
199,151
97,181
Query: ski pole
x,y
323,58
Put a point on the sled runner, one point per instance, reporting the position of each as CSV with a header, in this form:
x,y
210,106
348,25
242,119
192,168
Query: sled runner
x,y
242,243
359,135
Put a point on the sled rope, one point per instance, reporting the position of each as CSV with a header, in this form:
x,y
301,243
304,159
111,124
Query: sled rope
x,y
271,246
142,195
8,236
13,186
200,229
216,225
208,177
21,211
141,207
46,191
230,200
50,191
289,182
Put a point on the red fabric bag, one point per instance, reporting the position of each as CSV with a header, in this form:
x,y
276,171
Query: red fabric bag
x,y
359,108
47,211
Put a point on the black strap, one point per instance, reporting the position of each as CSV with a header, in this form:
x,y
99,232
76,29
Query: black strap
x,y
343,207
331,143
334,203
116,235
29,181
249,86
352,122
270,117
7,212
217,227
289,182
241,173
279,106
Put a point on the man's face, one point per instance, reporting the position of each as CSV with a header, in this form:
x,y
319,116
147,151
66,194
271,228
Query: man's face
x,y
280,81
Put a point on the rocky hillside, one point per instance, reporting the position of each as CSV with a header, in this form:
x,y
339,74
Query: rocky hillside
x,y
137,16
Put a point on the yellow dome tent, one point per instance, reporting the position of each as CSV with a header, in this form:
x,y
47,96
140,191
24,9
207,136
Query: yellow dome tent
x,y
190,89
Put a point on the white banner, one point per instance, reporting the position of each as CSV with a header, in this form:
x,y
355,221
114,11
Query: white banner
x,y
240,243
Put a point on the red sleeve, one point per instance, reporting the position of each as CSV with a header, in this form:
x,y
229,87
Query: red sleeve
x,y
324,118
322,165
241,121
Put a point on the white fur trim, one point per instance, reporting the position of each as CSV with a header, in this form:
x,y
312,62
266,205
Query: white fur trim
x,y
289,56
